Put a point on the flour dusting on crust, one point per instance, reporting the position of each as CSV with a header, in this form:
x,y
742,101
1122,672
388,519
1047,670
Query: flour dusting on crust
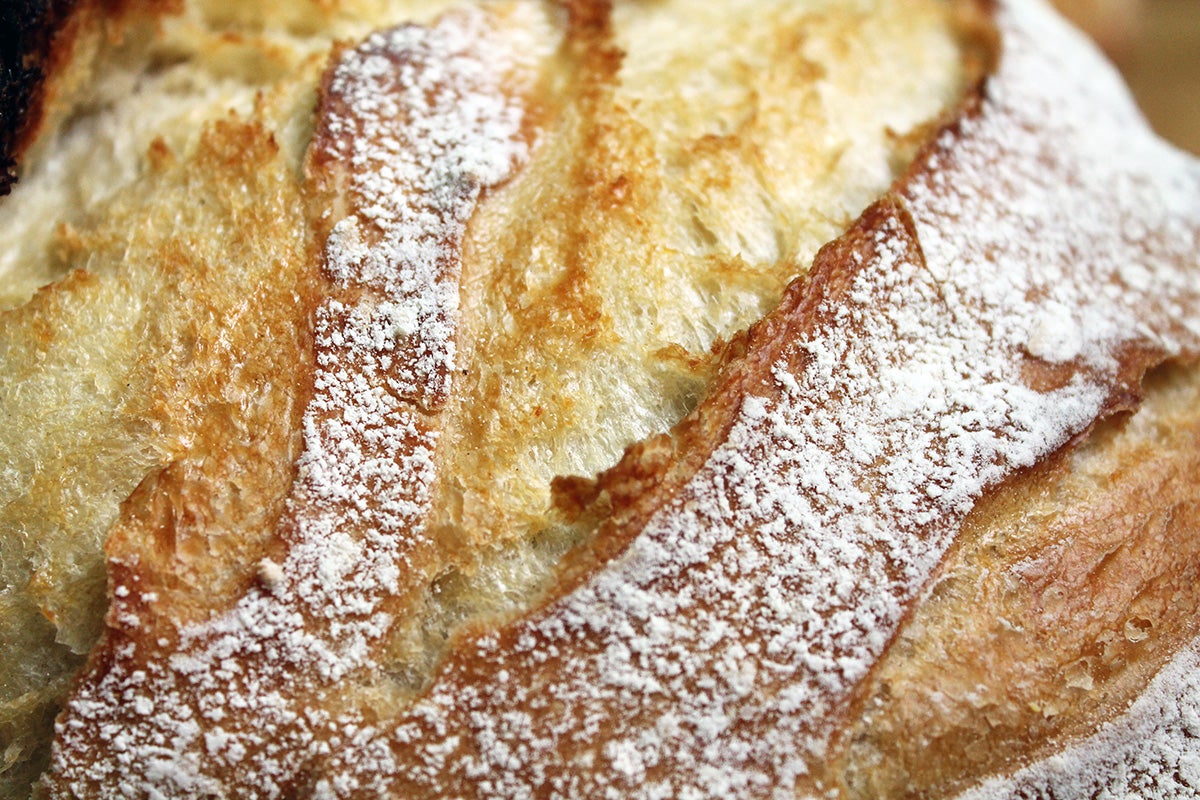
x,y
415,124
1151,751
714,655
1037,257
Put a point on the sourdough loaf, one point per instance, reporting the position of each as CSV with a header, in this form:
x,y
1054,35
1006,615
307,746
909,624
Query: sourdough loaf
x,y
581,400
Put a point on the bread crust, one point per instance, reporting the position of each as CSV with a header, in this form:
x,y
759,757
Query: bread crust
x,y
38,43
740,611
28,30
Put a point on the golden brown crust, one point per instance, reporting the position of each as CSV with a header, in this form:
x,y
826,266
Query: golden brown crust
x,y
759,579
1086,569
366,383
618,210
218,378
563,655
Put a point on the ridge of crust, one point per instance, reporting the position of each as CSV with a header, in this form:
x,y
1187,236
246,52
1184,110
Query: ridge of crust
x,y
756,563
244,695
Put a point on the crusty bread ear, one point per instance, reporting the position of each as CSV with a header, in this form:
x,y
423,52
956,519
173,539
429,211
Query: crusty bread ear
x,y
419,390
661,229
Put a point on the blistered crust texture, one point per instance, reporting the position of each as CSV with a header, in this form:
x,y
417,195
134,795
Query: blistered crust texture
x,y
548,317
345,334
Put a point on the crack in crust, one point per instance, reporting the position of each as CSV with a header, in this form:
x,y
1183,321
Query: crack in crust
x,y
754,565
255,673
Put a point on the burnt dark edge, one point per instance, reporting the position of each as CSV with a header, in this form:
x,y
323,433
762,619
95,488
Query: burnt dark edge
x,y
27,33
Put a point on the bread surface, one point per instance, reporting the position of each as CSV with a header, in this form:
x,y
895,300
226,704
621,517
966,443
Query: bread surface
x,y
394,393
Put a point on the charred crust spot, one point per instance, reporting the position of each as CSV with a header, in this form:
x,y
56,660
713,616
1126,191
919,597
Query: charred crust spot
x,y
36,39
28,29
573,494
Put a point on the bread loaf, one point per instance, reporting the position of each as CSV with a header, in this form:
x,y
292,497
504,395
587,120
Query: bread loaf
x,y
581,399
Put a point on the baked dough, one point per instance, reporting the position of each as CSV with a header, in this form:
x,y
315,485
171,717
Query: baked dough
x,y
909,537
204,126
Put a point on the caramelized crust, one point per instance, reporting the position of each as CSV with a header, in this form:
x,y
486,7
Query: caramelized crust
x,y
908,541
754,566
383,342
565,353
1087,569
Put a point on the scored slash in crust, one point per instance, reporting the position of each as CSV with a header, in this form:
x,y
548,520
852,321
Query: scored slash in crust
x,y
716,639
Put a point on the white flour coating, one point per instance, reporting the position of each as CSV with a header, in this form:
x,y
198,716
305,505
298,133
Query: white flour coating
x,y
419,123
711,659
1153,751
